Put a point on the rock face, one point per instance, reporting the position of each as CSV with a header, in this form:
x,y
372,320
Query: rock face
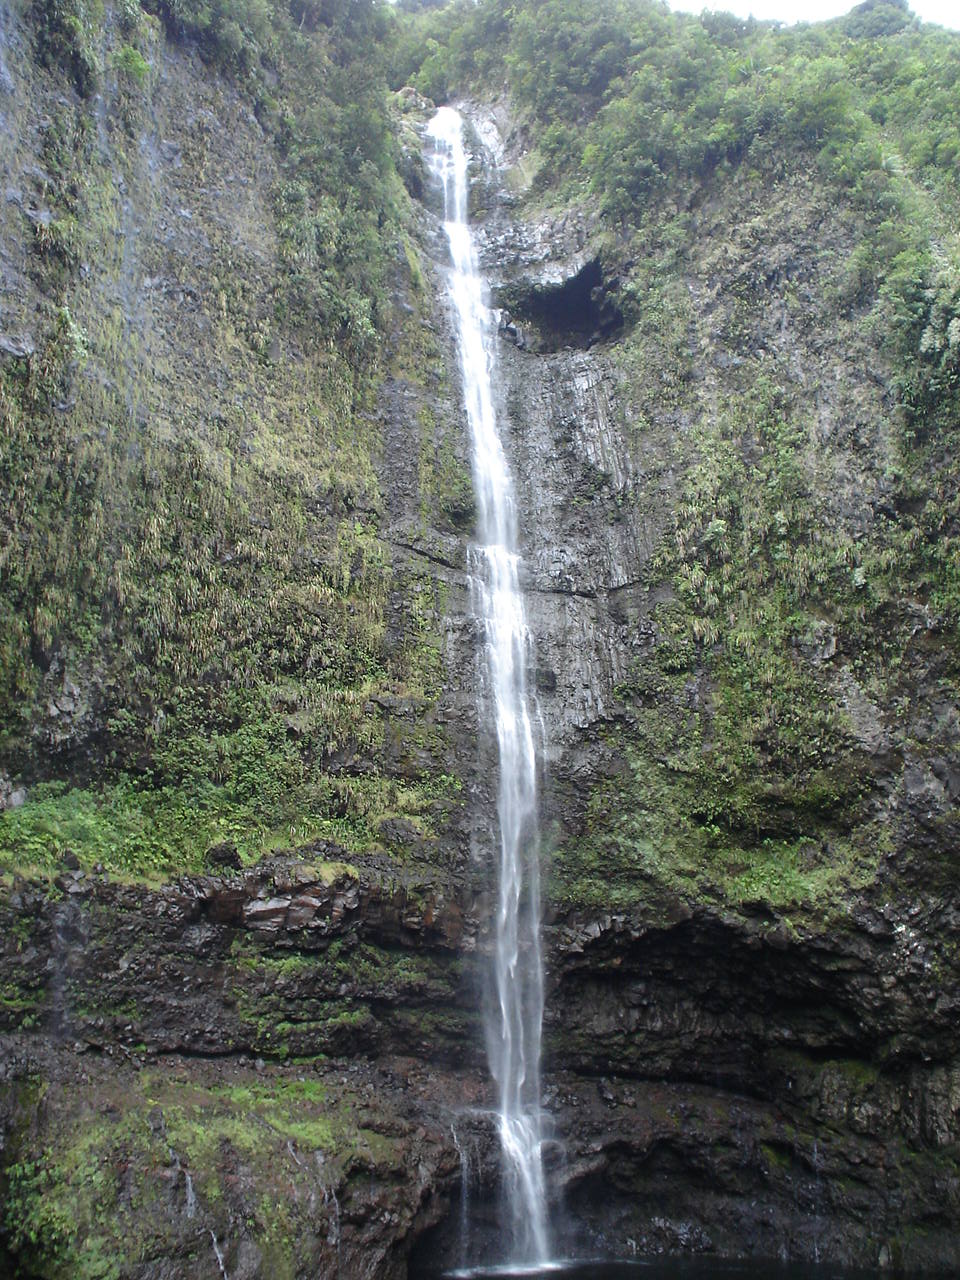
x,y
736,1064
276,1068
716,1084
256,1063
801,1071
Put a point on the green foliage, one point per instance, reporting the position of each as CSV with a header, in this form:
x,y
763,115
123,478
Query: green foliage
x,y
224,576
655,94
42,1231
252,786
876,18
630,102
753,795
749,543
92,1196
326,108
246,667
67,37
219,578
197,1125
327,252
129,62
129,829
739,775
237,35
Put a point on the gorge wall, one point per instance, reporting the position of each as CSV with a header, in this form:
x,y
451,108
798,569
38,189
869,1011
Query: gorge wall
x,y
245,786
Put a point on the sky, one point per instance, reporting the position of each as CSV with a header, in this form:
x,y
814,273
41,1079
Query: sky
x,y
944,12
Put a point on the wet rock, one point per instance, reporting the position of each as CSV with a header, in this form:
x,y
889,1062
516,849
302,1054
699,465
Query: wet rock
x,y
768,1079
268,914
574,311
224,855
11,797
400,833
305,909
16,347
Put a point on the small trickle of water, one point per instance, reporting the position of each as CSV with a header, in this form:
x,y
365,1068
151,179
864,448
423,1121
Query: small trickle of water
x,y
6,79
190,1205
333,1234
816,1202
218,1252
514,1032
464,1155
59,964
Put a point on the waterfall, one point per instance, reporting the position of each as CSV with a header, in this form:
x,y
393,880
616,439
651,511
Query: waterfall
x,y
514,1027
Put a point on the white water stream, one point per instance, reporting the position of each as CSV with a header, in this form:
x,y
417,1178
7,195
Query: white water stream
x,y
514,1032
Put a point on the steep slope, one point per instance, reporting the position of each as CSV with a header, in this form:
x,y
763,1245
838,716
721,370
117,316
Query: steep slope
x,y
238,621
227,429
728,256
204,286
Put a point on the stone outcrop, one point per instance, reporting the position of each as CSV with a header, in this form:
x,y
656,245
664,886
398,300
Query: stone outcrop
x,y
715,1083
271,1038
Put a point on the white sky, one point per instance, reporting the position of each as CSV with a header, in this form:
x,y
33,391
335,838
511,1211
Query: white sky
x,y
944,12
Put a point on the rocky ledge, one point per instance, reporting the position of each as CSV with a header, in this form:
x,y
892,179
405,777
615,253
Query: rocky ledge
x,y
284,1064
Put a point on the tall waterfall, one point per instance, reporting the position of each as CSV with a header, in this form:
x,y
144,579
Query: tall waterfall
x,y
514,1027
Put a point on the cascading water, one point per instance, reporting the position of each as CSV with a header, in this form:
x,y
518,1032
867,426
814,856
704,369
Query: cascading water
x,y
514,1030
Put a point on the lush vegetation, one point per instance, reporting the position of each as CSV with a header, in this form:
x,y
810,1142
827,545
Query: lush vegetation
x,y
628,102
206,651
191,572
758,784
100,1191
237,579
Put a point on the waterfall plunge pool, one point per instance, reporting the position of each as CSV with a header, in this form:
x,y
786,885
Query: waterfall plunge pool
x,y
666,1269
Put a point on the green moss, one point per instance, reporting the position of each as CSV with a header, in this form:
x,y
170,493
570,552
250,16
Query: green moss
x,y
210,570
21,1007
740,775
440,1028
91,1197
199,1123
778,1158
446,486
129,62
65,1216
707,804
391,973
67,37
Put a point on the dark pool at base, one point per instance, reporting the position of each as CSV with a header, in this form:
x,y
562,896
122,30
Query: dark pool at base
x,y
673,1269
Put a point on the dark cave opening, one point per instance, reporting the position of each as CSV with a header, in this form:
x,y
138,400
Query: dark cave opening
x,y
576,312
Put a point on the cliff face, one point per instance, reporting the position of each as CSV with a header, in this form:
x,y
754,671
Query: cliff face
x,y
226,425
754,819
242,652
206,622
